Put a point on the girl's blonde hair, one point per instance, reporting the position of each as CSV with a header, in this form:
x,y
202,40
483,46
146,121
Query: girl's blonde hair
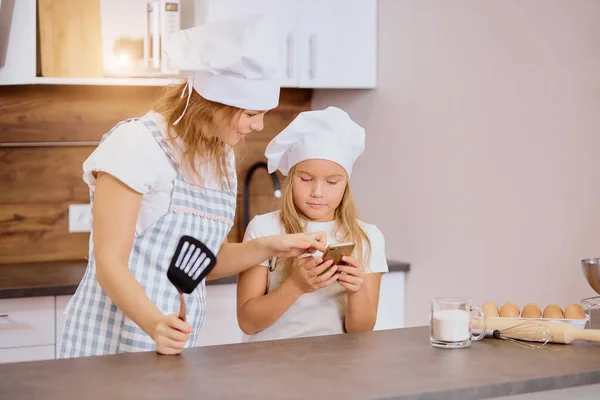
x,y
347,227
198,128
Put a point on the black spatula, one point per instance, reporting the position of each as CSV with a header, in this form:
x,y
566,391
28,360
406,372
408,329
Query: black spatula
x,y
190,264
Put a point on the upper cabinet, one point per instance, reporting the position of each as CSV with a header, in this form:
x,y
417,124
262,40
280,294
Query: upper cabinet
x,y
17,42
323,43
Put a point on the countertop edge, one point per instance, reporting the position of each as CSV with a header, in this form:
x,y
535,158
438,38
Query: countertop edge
x,y
69,289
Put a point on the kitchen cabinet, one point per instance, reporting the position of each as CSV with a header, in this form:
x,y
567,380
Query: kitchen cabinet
x,y
323,44
31,328
61,305
17,42
220,321
27,329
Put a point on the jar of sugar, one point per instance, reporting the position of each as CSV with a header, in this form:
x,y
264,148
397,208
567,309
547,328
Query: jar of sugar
x,y
450,323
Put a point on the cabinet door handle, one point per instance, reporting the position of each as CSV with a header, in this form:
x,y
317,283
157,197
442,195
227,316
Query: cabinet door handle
x,y
3,315
290,55
312,48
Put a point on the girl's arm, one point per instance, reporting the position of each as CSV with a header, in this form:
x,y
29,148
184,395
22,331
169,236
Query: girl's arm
x,y
363,295
234,258
257,310
113,234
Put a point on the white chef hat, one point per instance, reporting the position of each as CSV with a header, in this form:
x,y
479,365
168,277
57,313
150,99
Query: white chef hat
x,y
233,61
327,134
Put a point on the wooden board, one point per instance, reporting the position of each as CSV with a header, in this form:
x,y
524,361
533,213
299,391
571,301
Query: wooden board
x,y
43,174
47,113
33,232
70,38
38,183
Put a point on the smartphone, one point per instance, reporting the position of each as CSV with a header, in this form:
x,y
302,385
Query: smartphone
x,y
336,251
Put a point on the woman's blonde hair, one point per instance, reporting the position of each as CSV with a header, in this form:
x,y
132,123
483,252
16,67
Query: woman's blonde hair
x,y
347,227
198,128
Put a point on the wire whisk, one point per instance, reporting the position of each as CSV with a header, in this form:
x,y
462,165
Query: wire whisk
x,y
532,334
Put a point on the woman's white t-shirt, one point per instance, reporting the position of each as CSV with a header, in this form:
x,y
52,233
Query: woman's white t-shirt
x,y
321,312
132,155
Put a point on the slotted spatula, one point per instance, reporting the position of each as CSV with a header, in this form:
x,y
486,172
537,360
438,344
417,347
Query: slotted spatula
x,y
190,264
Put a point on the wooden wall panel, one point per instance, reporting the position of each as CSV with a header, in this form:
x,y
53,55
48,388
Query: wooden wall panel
x,y
37,184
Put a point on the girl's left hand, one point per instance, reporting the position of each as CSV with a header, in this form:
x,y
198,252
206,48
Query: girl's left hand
x,y
354,274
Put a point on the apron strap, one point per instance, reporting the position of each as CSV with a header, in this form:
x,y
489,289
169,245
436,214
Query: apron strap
x,y
160,136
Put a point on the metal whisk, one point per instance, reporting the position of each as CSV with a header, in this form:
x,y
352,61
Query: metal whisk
x,y
533,334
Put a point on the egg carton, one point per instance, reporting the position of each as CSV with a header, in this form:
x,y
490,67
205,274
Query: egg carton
x,y
577,323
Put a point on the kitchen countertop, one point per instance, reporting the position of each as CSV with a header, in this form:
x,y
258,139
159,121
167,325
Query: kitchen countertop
x,y
392,364
62,278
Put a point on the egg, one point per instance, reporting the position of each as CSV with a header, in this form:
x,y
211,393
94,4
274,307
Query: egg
x,y
490,309
531,310
574,311
510,310
553,311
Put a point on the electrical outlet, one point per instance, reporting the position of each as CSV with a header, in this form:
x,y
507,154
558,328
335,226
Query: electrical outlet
x,y
80,218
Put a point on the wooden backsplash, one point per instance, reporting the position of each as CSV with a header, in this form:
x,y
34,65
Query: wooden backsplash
x,y
37,184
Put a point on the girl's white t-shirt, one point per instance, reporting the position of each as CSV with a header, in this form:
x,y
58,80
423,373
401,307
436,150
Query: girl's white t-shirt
x,y
321,312
132,155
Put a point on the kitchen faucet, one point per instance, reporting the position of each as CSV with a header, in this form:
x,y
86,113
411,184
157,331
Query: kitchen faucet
x,y
276,188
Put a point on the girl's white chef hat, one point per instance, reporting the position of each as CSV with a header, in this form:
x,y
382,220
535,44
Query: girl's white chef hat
x,y
327,134
233,61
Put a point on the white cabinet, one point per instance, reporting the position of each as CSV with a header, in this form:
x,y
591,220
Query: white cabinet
x,y
337,43
322,43
27,329
220,324
22,354
27,322
17,42
392,302
61,305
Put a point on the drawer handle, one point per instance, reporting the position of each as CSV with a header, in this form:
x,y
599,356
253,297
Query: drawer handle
x,y
3,315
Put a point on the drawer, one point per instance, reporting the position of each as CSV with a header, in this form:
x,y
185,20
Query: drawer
x,y
21,354
27,322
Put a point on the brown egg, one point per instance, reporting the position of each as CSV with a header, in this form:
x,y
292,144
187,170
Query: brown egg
x,y
574,311
510,310
531,311
490,309
553,311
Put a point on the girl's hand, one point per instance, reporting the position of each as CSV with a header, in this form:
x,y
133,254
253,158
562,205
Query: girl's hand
x,y
296,244
306,275
353,275
170,334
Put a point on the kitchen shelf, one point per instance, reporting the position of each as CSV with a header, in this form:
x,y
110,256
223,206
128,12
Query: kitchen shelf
x,y
107,81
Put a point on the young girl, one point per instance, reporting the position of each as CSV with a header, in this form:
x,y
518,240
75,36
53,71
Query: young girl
x,y
172,173
297,297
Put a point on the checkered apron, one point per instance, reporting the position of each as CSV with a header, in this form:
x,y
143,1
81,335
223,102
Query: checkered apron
x,y
94,325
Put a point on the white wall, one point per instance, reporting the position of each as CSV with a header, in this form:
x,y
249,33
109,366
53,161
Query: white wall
x,y
482,164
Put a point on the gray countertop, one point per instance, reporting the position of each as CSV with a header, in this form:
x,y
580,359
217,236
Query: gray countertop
x,y
392,364
62,278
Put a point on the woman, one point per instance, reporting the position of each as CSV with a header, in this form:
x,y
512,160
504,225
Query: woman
x,y
172,173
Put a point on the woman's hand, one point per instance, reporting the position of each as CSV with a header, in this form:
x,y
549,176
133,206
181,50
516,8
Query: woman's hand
x,y
306,275
353,275
170,334
296,244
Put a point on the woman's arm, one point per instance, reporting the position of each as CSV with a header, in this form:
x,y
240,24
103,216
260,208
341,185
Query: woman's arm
x,y
257,311
234,258
115,212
